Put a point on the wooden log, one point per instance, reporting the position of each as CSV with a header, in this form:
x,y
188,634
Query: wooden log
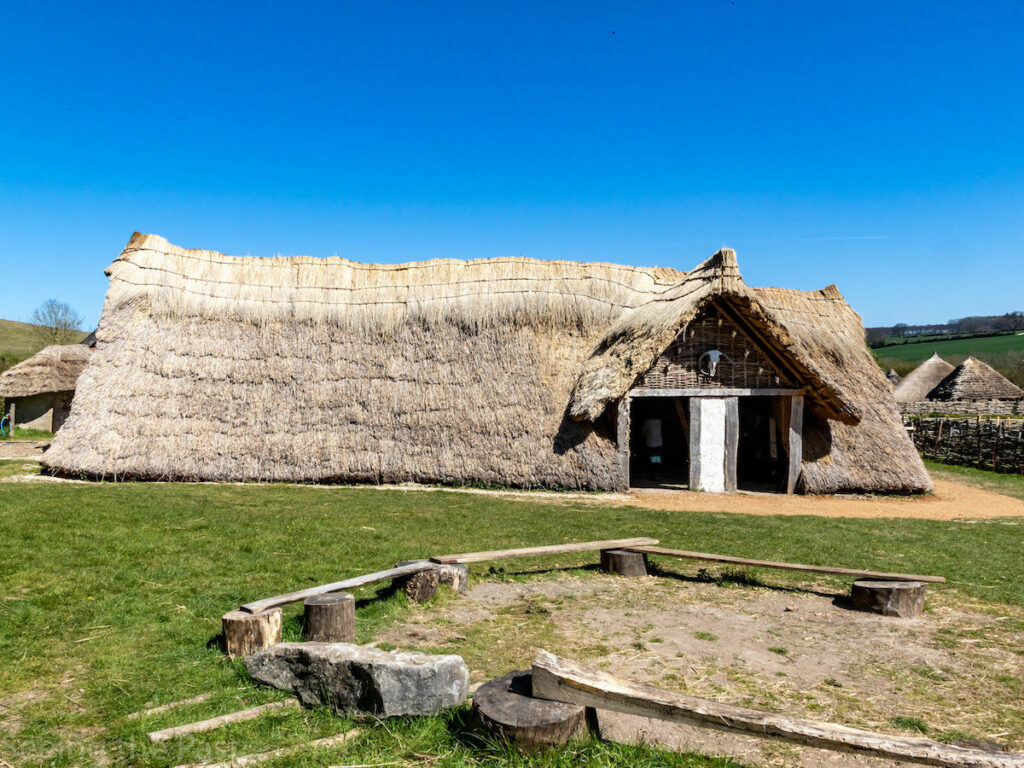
x,y
562,680
684,554
242,761
505,709
453,575
795,449
167,707
247,633
623,562
554,549
216,722
338,586
889,598
330,618
421,586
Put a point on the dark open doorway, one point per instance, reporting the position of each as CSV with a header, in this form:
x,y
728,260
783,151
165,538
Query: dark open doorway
x,y
761,463
654,420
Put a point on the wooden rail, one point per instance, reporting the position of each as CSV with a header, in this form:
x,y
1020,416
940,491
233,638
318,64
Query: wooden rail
x,y
339,586
554,549
562,680
681,553
216,722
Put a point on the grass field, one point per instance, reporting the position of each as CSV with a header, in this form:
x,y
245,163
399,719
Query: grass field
x,y
20,340
111,596
1008,485
979,347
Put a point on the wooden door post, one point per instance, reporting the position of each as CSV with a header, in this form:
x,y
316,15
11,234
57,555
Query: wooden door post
x,y
796,441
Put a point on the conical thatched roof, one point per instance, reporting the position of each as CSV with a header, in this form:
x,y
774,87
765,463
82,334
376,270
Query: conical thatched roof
x,y
974,379
499,370
922,380
54,369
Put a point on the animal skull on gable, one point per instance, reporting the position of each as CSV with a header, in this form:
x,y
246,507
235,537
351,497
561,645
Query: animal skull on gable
x,y
709,361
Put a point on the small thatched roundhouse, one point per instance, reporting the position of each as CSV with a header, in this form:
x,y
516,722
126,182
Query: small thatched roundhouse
x,y
975,379
38,391
508,371
919,382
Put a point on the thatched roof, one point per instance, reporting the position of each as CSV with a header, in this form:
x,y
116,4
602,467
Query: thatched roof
x,y
974,379
498,370
893,377
54,369
922,380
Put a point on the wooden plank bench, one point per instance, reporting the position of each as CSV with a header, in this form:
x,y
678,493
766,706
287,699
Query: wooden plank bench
x,y
856,573
553,549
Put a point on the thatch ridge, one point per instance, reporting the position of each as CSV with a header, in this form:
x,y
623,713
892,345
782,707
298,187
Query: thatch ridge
x,y
975,379
54,369
211,367
919,382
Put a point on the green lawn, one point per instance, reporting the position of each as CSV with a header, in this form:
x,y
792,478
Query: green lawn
x,y
1008,485
111,596
979,347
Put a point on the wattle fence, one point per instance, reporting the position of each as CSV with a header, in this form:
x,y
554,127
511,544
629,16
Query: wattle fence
x,y
993,444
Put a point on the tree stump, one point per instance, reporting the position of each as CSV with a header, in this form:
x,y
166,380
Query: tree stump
x,y
246,633
506,709
420,587
623,562
455,576
889,598
330,618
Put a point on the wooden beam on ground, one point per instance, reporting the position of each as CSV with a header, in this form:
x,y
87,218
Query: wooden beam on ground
x,y
166,707
216,722
338,586
261,757
683,554
558,679
554,549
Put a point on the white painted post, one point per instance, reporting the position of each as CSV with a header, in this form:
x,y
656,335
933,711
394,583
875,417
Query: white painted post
x,y
708,444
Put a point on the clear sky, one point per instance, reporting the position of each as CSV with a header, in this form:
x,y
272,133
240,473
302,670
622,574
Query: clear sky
x,y
879,146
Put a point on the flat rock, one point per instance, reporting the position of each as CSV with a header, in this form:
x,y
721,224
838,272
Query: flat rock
x,y
356,680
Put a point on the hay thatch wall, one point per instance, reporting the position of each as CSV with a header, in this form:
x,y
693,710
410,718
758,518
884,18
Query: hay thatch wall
x,y
221,368
55,369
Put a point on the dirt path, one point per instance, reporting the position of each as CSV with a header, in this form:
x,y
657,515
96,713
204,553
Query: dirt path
x,y
951,501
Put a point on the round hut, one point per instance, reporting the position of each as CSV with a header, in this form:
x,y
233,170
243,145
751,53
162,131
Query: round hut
x,y
38,392
922,380
975,379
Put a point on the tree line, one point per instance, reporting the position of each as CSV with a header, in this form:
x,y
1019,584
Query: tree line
x,y
974,325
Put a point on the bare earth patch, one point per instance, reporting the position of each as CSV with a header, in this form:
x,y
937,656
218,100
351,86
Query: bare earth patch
x,y
950,501
955,672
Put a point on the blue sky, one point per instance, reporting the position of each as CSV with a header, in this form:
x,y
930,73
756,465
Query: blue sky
x,y
879,146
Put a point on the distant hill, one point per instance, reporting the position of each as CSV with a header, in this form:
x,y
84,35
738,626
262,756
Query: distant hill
x,y
19,341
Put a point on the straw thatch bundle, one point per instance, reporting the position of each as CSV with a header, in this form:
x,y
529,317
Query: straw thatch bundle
x,y
492,371
974,379
55,369
922,380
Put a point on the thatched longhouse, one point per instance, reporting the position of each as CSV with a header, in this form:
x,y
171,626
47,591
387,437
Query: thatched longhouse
x,y
975,379
38,391
919,382
504,371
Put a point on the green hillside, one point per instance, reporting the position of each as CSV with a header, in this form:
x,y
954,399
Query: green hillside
x,y
20,340
986,345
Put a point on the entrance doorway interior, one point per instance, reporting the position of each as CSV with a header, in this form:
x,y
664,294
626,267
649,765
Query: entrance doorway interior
x,y
654,420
